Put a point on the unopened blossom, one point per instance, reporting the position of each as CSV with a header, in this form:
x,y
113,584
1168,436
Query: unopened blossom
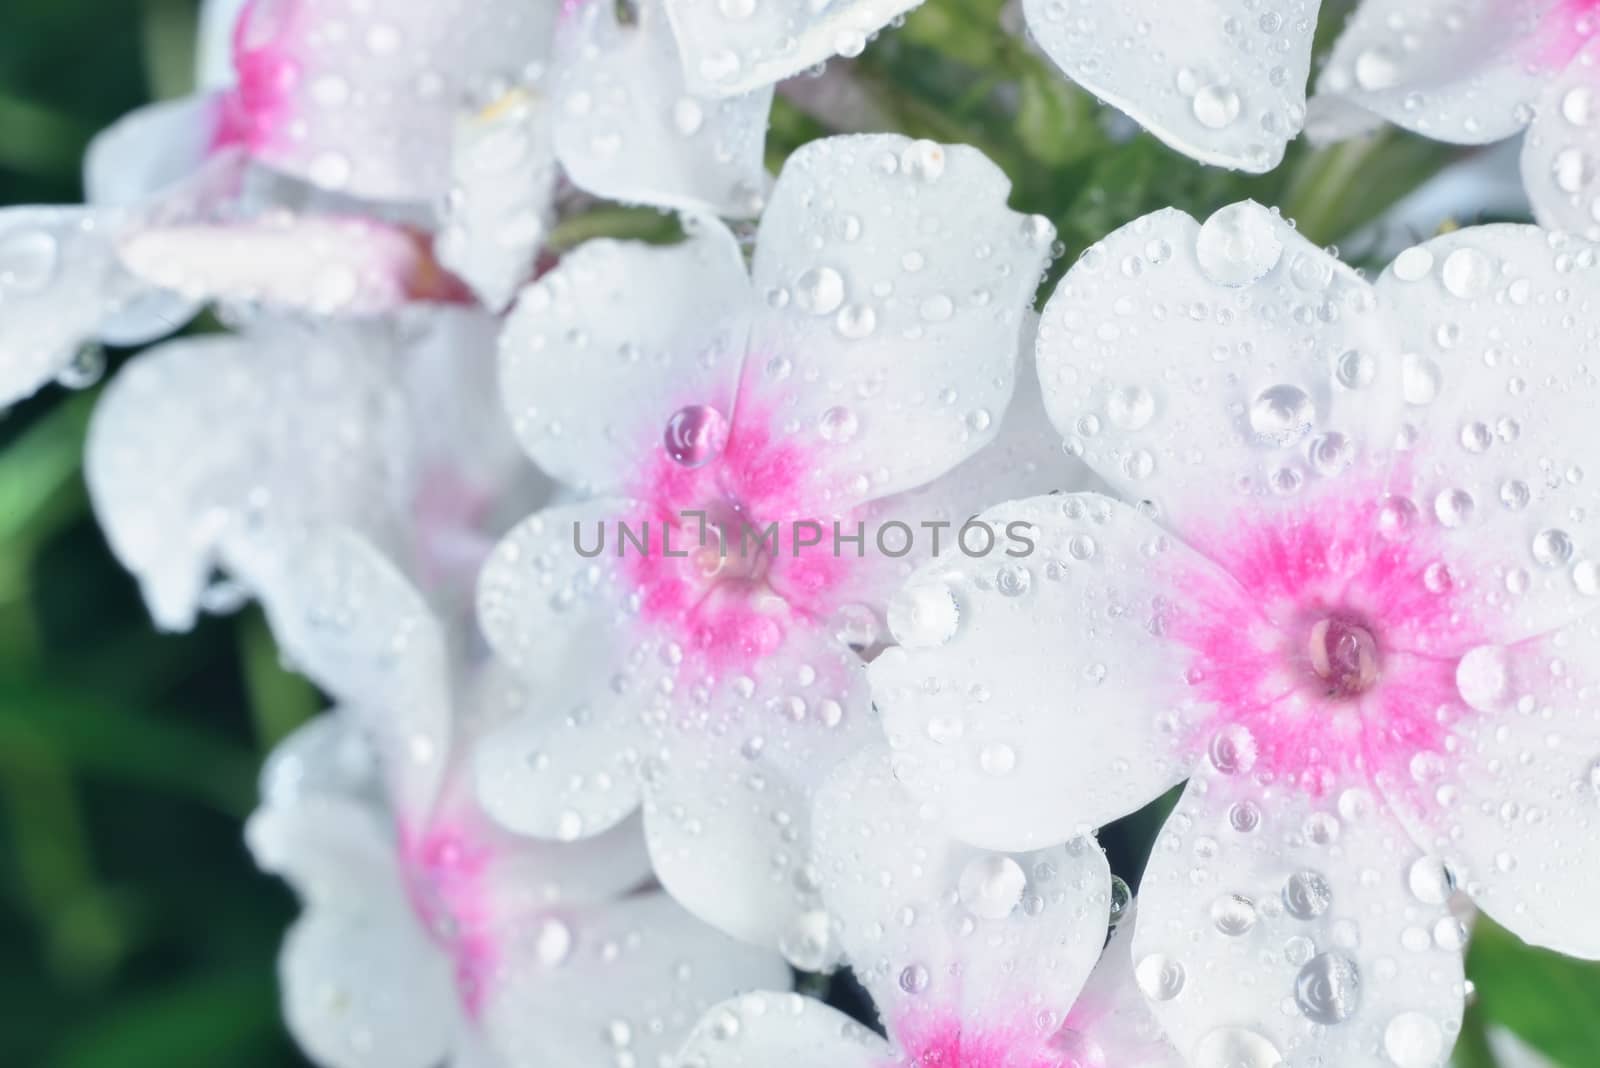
x,y
1475,73
211,459
1348,593
973,958
430,934
1222,81
869,350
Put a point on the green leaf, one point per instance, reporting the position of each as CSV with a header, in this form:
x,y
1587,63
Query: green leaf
x,y
1052,118
1550,1001
280,700
93,735
212,1020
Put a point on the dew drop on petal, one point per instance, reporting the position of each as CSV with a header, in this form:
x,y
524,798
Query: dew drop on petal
x,y
1483,677
1235,1047
1159,976
1328,988
924,615
1307,894
1281,415
1413,1040
695,435
991,886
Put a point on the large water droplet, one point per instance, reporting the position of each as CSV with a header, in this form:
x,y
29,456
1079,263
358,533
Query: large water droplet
x,y
1307,894
1216,106
696,435
1233,914
1413,1040
1159,976
1239,244
28,261
1328,988
991,886
820,290
1281,415
1130,407
1483,677
1467,273
1235,1047
924,615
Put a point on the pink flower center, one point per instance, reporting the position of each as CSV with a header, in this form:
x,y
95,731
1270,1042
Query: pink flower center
x,y
445,874
945,1040
717,550
266,56
1566,29
1330,649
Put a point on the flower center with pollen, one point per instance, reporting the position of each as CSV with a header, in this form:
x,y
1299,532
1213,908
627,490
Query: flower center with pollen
x,y
1344,655
1325,653
720,554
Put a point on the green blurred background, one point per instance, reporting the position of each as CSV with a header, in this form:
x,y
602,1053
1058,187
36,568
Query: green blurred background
x,y
135,930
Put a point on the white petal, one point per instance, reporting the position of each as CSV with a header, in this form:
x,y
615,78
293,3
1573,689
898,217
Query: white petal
x,y
561,774
728,803
365,989
1035,697
772,1030
1026,459
347,617
323,265
361,101
1191,364
1461,72
214,49
599,353
217,452
149,150
931,925
59,283
1559,153
1501,328
734,46
496,217
1274,926
628,128
895,281
1221,81
634,980
1512,803
1111,1019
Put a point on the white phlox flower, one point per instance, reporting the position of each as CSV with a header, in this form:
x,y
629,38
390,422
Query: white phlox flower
x,y
1354,607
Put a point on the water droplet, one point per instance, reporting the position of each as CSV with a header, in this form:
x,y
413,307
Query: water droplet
x,y
820,290
553,943
1233,914
1467,273
1307,894
1235,1047
924,615
1413,265
807,942
1413,1040
1281,415
1130,407
913,979
1430,881
1552,548
1013,580
1216,106
1453,507
1483,677
1239,244
695,435
997,758
1328,988
1420,379
923,160
1232,749
1121,898
1159,976
28,261
991,886
838,425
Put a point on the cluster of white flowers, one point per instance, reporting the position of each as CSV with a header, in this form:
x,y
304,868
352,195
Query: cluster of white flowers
x,y
1320,548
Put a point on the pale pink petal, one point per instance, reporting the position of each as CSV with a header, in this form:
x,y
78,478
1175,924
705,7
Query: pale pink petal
x,y
628,127
1223,81
737,47
895,280
601,352
1278,927
1559,153
1500,330
503,170
1461,72
625,981
1111,1023
1511,801
1196,366
773,1030
360,99
931,925
1039,695
729,782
